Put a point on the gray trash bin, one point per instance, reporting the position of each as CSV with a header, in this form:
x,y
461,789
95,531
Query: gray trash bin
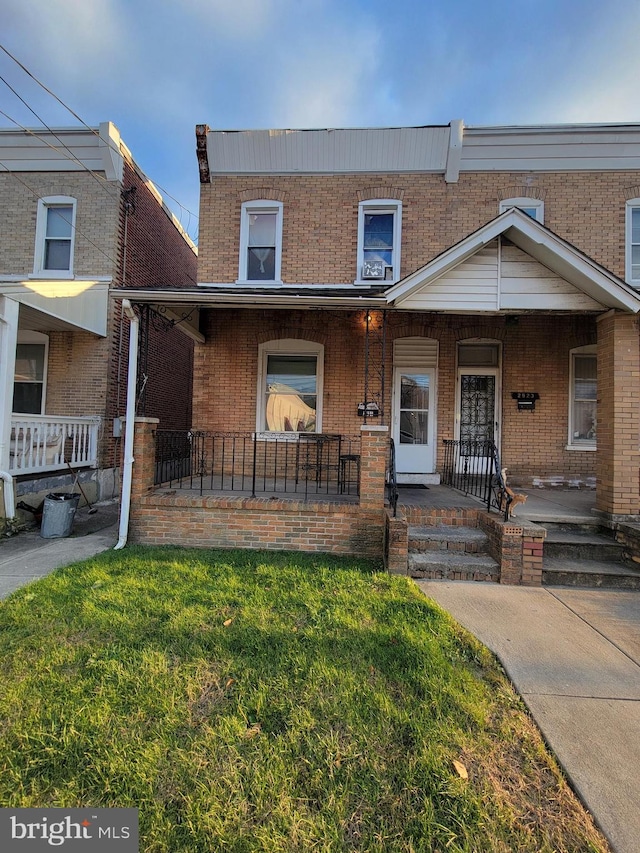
x,y
58,514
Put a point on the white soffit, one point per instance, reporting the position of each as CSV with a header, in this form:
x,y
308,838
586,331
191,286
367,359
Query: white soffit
x,y
603,289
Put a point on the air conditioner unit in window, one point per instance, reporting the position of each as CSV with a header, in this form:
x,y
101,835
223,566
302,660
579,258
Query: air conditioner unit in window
x,y
373,269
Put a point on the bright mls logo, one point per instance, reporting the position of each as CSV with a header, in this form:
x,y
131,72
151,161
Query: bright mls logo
x,y
80,830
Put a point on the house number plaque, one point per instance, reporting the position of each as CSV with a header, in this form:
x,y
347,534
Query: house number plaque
x,y
526,400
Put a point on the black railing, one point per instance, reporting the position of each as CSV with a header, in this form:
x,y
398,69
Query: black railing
x,y
391,482
473,467
305,464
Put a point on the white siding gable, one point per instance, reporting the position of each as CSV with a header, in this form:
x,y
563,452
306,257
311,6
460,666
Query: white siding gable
x,y
527,284
499,277
470,286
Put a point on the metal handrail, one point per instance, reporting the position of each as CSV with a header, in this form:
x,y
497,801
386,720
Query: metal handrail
x,y
391,480
473,467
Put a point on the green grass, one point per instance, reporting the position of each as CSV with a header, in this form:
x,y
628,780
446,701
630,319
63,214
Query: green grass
x,y
252,701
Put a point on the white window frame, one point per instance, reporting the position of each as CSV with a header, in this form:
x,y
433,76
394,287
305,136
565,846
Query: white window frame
x,y
28,337
379,205
259,206
287,346
632,204
573,443
522,201
44,204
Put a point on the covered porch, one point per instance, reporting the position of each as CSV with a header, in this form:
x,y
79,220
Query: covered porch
x,y
511,339
53,386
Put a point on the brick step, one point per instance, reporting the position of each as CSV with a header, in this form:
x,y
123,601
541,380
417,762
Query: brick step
x,y
592,574
470,540
451,565
582,543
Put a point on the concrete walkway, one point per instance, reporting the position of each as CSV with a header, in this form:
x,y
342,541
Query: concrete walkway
x,y
27,556
574,657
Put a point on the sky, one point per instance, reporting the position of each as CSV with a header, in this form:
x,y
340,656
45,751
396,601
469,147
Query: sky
x,y
156,68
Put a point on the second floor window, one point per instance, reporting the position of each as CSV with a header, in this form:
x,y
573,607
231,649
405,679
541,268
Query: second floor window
x,y
533,207
379,224
55,229
260,241
633,242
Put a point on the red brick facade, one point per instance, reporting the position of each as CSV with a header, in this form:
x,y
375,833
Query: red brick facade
x,y
321,216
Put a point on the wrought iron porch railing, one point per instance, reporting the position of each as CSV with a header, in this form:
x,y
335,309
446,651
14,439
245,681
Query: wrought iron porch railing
x,y
391,481
304,464
41,443
473,467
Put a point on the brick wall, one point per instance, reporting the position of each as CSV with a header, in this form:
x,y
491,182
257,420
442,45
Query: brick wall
x,y
97,211
208,522
518,549
618,463
156,255
321,214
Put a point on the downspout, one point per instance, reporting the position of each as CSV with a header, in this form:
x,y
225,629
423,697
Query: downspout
x,y
9,497
129,429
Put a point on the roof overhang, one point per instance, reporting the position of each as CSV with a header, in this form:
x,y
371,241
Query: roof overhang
x,y
540,243
181,306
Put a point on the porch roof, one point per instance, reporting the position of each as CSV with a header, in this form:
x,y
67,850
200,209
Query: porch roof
x,y
559,276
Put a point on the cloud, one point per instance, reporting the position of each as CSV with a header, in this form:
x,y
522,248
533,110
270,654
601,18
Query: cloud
x,y
70,39
603,87
327,80
240,19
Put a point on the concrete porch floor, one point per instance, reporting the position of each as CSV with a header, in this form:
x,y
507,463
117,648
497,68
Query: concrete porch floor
x,y
558,505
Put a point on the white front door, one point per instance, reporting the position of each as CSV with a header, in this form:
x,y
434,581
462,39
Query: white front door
x,y
478,424
413,422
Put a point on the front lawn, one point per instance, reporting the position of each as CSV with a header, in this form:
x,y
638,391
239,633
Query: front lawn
x,y
253,701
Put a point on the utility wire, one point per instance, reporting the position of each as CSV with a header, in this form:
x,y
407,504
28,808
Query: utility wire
x,y
71,156
93,130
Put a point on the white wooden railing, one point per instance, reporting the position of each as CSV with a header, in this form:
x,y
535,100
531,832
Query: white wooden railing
x,y
49,442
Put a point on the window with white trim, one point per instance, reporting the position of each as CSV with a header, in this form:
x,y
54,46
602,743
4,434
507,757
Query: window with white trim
x,y
583,397
533,207
633,242
379,234
30,378
260,242
290,386
55,237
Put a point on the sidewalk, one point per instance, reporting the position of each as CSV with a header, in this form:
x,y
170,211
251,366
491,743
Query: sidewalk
x,y
574,657
27,556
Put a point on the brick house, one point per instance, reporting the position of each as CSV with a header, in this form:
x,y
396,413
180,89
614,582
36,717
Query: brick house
x,y
443,286
79,216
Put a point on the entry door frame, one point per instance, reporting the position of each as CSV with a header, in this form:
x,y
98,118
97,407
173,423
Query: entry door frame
x,y
497,415
430,456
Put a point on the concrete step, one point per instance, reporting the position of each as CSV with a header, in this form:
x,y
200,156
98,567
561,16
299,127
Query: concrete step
x,y
582,544
470,540
452,565
558,571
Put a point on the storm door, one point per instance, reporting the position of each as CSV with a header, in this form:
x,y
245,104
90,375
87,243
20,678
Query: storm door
x,y
413,420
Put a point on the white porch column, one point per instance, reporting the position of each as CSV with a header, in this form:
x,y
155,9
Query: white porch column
x,y
9,310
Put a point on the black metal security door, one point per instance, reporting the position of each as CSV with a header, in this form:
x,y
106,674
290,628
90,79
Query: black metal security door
x,y
477,408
